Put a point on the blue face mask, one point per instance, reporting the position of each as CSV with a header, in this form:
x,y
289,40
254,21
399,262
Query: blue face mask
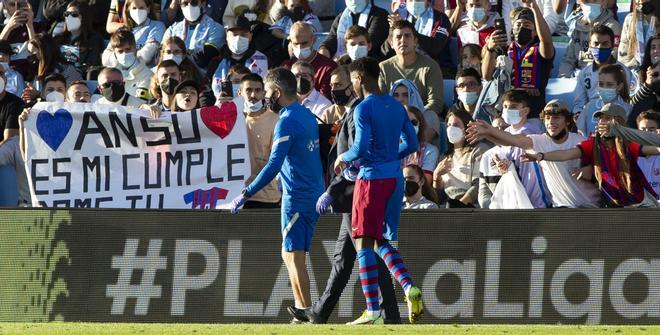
x,y
356,6
591,11
416,8
601,54
607,94
476,14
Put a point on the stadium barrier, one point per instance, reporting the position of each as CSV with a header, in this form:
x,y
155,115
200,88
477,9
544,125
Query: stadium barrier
x,y
541,266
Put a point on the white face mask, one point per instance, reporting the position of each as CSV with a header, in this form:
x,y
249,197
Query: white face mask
x,y
139,15
416,8
176,58
238,45
468,98
356,6
511,116
357,51
2,85
254,107
591,11
454,134
55,96
127,59
191,13
73,23
303,53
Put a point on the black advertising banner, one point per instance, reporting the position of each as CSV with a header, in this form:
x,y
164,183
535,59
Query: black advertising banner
x,y
541,266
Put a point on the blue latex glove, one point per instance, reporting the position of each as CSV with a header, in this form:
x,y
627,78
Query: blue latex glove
x,y
237,203
324,202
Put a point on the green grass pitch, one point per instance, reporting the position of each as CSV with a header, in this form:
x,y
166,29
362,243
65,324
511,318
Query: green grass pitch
x,y
57,328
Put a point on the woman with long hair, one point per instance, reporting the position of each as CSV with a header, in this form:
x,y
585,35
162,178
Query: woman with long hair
x,y
638,27
175,49
418,192
612,88
80,45
427,155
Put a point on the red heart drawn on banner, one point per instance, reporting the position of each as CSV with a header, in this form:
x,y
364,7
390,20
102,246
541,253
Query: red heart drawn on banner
x,y
220,119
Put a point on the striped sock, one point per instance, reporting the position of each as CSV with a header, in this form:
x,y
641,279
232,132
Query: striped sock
x,y
394,262
369,279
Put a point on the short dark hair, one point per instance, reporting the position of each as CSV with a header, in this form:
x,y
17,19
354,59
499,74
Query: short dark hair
x,y
469,72
355,31
516,95
253,77
365,67
166,63
284,80
602,29
239,69
121,37
648,115
402,24
340,69
54,77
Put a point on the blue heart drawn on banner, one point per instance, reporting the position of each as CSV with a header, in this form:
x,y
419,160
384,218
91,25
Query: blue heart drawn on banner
x,y
53,128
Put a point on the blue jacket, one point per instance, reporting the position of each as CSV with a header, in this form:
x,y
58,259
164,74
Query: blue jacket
x,y
379,120
296,157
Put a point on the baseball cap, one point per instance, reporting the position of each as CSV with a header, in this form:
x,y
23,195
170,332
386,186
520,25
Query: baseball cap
x,y
239,23
187,83
611,109
523,13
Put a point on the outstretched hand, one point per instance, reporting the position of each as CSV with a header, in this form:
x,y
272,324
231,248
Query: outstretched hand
x,y
477,131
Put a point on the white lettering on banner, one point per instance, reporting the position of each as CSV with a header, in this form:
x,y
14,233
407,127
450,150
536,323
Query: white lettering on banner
x,y
91,155
465,270
146,290
233,307
181,281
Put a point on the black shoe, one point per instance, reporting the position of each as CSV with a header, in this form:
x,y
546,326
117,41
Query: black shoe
x,y
305,315
393,321
296,321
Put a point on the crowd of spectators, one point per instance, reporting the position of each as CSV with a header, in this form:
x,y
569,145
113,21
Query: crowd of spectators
x,y
599,150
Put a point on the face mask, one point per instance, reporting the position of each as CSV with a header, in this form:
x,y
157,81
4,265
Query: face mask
x,y
303,53
600,54
2,85
126,59
339,97
655,59
591,11
72,23
411,188
468,98
304,86
272,104
191,13
607,94
114,92
139,15
559,136
238,45
454,134
55,96
511,116
5,65
253,107
523,36
647,7
476,14
176,58
168,85
357,51
235,89
415,8
356,6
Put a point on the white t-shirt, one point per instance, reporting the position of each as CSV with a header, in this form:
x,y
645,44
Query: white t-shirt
x,y
566,190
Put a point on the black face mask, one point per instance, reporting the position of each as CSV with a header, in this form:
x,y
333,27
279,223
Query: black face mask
x,y
339,97
523,36
168,85
304,86
297,14
272,104
113,93
411,188
559,136
648,7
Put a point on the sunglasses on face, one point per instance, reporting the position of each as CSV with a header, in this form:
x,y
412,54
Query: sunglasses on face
x,y
72,14
108,84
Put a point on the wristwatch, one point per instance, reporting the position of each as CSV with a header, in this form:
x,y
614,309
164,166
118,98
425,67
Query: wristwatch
x,y
542,156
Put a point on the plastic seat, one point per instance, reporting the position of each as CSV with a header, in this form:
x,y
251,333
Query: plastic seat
x,y
562,89
448,92
560,52
9,194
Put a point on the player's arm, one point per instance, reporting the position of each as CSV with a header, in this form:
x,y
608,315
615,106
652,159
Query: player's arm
x,y
282,139
409,142
481,130
650,150
362,136
554,156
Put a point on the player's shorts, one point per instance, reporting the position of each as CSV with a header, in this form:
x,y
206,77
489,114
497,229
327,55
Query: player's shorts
x,y
298,229
377,208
